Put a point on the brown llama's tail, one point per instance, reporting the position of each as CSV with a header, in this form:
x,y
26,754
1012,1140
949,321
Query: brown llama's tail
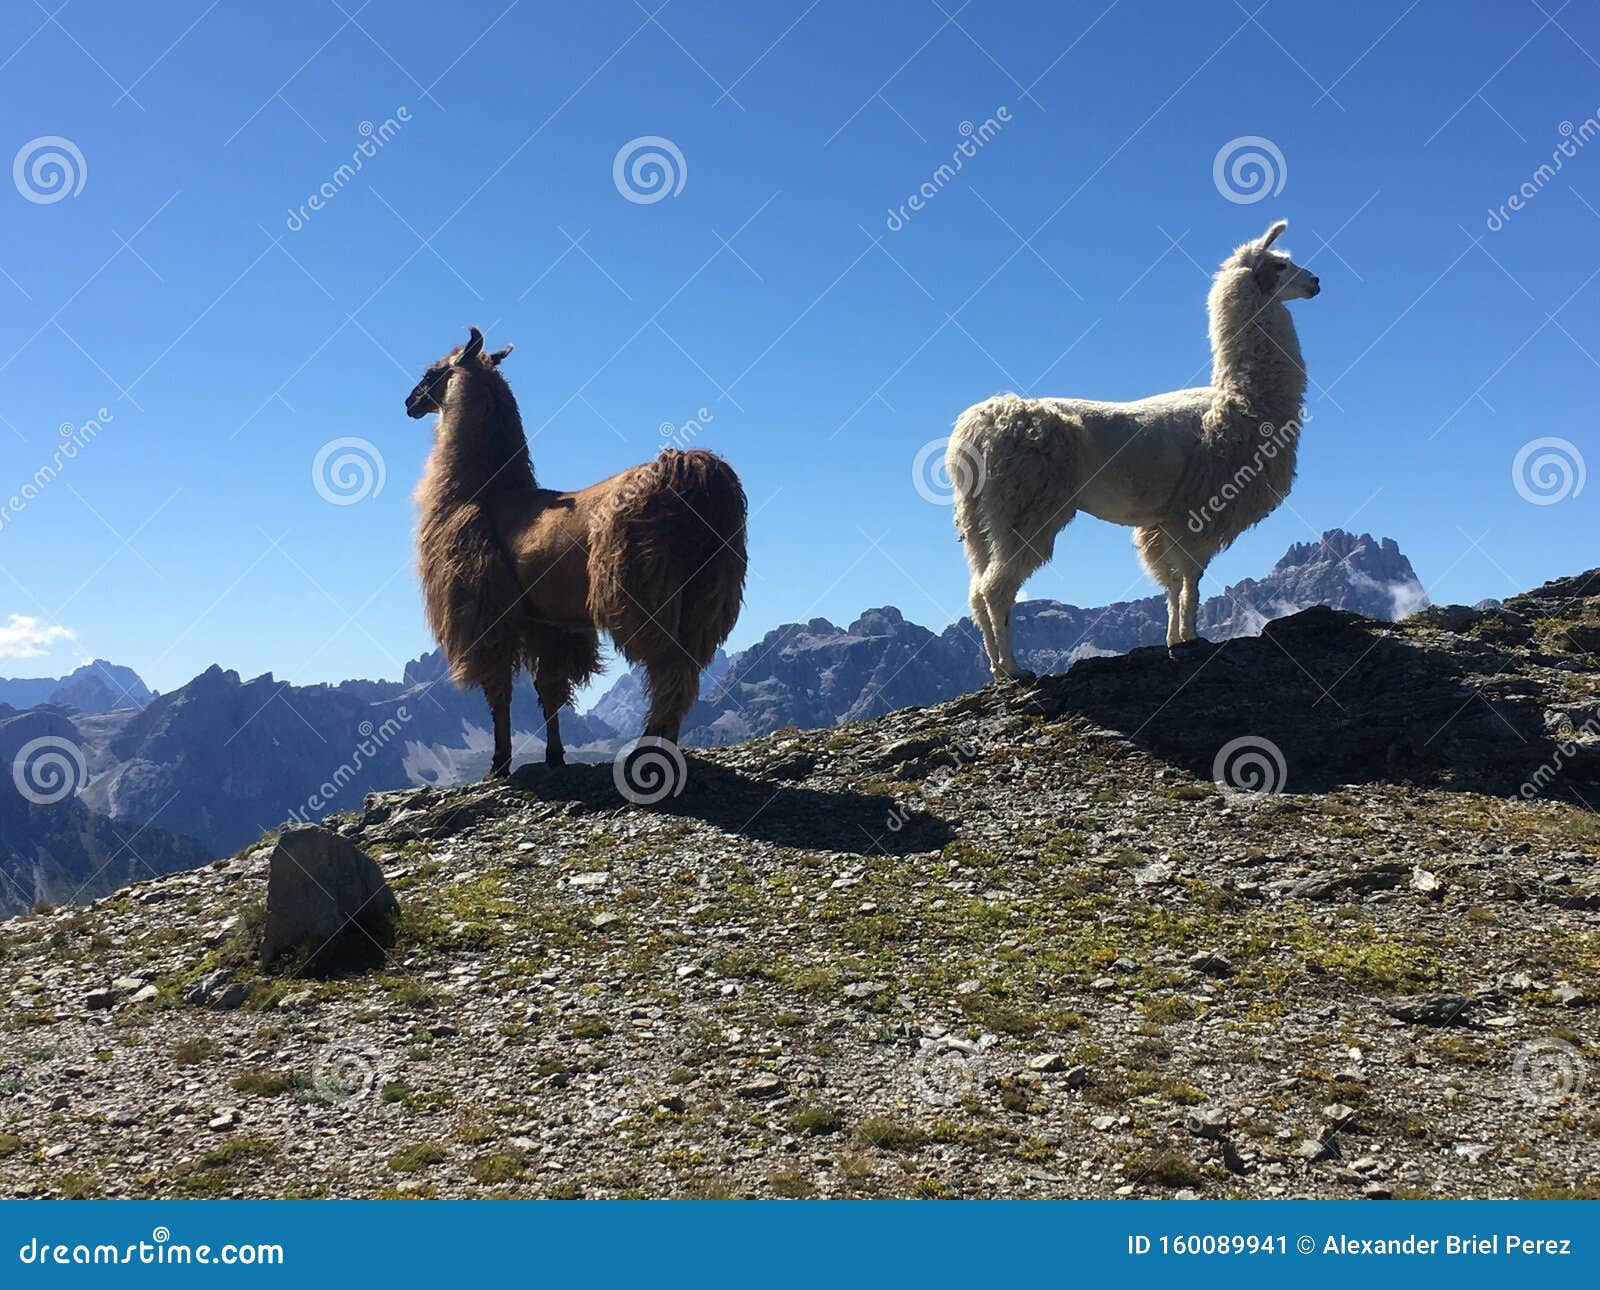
x,y
667,558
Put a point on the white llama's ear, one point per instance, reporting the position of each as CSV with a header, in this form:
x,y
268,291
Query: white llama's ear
x,y
1272,233
499,355
472,348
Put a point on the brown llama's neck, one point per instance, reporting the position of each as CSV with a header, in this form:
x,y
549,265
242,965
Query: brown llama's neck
x,y
1257,369
479,450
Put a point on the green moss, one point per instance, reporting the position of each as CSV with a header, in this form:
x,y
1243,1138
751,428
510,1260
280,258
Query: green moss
x,y
891,1135
498,1167
191,1052
417,1156
815,1121
10,1144
262,1083
791,1185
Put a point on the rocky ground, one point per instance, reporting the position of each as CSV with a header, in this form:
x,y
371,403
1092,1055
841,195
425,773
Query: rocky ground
x,y
1043,940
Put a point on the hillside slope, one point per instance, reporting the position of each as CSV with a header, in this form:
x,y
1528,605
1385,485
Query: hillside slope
x,y
1035,941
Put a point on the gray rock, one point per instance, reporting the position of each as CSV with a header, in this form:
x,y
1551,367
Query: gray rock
x,y
326,897
1443,1009
1047,1062
1206,1121
96,1000
761,1087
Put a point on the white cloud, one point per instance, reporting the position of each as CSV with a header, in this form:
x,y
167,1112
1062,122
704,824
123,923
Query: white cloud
x,y
25,637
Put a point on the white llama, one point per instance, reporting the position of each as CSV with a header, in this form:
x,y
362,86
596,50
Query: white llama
x,y
1189,470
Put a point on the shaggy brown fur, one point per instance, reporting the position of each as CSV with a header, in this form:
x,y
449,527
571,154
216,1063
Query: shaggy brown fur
x,y
518,575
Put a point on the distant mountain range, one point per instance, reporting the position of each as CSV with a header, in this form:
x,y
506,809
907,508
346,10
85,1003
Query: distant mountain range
x,y
95,687
817,674
170,780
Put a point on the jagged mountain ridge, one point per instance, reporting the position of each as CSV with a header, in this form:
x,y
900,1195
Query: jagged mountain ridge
x,y
96,687
817,674
64,851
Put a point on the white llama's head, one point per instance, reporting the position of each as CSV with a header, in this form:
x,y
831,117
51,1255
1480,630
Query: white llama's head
x,y
1273,274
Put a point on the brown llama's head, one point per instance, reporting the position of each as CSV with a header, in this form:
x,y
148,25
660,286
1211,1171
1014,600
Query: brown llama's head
x,y
433,389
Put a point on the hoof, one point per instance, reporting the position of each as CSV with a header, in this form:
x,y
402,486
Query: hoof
x,y
555,759
498,772
1017,675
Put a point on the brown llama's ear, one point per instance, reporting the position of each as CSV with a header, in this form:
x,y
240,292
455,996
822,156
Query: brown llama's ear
x,y
499,355
472,348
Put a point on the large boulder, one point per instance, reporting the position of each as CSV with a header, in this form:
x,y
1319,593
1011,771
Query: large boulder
x,y
326,899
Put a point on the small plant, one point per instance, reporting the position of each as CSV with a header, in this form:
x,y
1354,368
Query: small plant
x,y
891,1135
270,1083
815,1121
498,1167
417,1156
791,1185
191,1052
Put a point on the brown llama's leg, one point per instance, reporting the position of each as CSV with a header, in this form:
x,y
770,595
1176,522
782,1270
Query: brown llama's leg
x,y
498,692
553,692
673,689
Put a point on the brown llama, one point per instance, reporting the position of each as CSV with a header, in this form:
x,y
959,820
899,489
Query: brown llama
x,y
518,575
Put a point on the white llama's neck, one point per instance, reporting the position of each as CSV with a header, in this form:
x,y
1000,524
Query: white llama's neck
x,y
1257,368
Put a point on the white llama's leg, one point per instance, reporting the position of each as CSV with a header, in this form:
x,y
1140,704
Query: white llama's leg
x,y
1191,605
980,615
1174,618
1000,586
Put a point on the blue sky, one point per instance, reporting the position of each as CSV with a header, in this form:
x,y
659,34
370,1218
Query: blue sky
x,y
1068,257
